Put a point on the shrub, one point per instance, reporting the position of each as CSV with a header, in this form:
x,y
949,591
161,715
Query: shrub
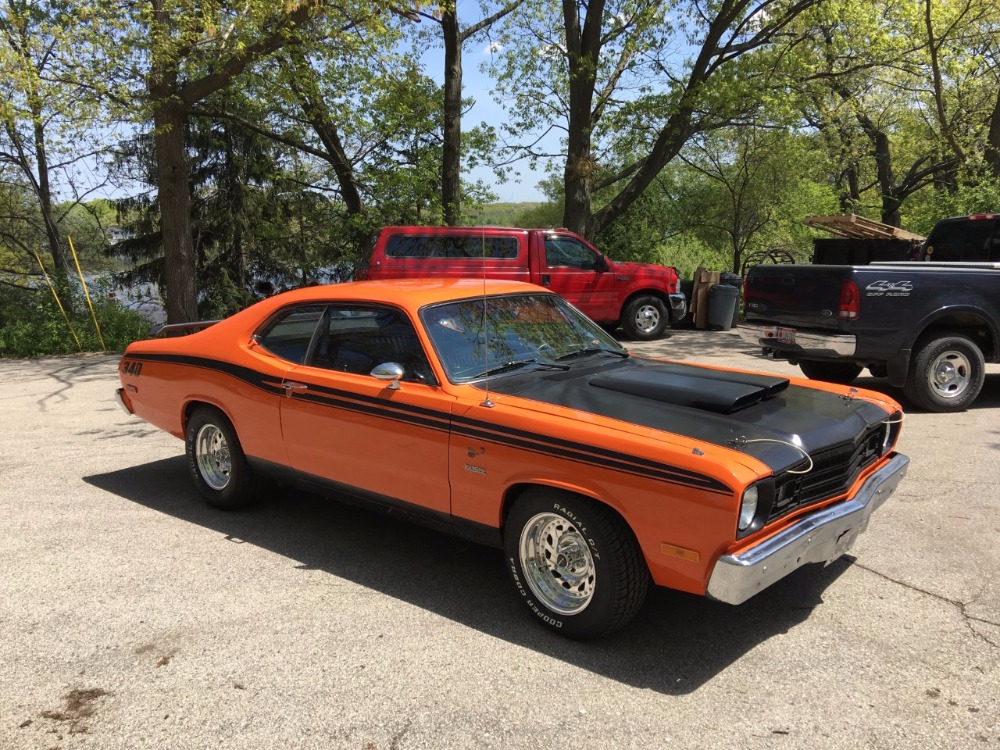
x,y
32,325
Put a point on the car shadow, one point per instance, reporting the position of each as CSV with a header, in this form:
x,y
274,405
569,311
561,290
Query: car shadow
x,y
677,643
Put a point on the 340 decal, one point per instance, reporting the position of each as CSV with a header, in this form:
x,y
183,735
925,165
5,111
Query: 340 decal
x,y
132,368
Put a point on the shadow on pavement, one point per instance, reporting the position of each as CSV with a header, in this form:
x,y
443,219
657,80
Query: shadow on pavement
x,y
676,644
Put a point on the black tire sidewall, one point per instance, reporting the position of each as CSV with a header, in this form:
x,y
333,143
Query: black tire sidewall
x,y
593,621
628,319
236,493
924,395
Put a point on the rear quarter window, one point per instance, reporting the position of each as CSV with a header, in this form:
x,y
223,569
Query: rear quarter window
x,y
451,247
290,332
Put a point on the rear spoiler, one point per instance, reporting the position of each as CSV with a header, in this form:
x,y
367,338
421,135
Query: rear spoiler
x,y
179,329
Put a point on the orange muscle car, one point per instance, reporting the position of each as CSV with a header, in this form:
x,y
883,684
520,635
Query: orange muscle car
x,y
498,412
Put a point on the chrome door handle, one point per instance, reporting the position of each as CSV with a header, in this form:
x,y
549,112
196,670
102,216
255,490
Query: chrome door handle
x,y
290,386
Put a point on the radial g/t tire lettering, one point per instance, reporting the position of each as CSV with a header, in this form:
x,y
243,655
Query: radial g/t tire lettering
x,y
574,563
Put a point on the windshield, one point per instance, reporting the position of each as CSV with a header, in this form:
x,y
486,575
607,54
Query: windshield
x,y
479,337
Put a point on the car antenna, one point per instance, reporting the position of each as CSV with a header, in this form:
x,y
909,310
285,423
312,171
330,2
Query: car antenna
x,y
487,402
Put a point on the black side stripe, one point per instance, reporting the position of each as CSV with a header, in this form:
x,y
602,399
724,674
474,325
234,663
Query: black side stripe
x,y
446,422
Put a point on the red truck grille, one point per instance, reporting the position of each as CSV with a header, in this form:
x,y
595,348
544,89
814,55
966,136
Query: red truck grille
x,y
834,470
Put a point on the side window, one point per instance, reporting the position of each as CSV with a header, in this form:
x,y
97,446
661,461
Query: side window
x,y
977,241
566,251
289,334
356,339
450,246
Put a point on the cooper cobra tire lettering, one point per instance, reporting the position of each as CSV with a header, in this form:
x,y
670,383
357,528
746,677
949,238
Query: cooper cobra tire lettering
x,y
575,562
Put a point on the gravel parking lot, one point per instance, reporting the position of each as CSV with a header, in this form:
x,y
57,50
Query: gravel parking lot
x,y
134,616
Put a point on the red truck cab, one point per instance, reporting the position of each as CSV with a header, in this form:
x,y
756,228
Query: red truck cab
x,y
642,298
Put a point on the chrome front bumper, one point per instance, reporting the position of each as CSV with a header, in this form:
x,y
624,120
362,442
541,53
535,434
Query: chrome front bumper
x,y
794,341
819,537
678,306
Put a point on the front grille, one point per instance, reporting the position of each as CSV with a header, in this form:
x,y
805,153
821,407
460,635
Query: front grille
x,y
834,470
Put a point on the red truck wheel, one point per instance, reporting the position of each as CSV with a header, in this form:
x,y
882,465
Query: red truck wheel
x,y
645,318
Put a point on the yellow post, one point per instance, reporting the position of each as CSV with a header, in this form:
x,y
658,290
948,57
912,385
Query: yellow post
x,y
55,294
86,293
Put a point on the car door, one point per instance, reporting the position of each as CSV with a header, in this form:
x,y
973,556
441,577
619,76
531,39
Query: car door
x,y
345,429
571,270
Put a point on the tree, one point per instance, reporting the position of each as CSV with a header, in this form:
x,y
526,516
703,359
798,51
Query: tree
x,y
614,77
743,179
47,117
900,93
454,38
186,54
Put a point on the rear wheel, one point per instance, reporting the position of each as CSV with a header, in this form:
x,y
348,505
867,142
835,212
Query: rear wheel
x,y
947,373
831,372
216,461
575,563
645,318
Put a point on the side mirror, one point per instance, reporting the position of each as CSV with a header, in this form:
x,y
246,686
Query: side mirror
x,y
390,371
601,264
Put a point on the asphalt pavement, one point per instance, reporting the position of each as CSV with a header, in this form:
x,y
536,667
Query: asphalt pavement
x,y
134,616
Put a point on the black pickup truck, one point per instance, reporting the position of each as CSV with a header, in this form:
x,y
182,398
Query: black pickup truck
x,y
929,325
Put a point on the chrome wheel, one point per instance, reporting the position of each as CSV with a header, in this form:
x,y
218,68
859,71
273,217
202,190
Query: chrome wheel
x,y
646,318
950,374
212,456
557,563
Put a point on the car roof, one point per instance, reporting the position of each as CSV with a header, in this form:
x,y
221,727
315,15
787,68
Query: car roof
x,y
409,293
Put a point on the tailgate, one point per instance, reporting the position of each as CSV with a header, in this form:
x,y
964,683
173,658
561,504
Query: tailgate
x,y
794,295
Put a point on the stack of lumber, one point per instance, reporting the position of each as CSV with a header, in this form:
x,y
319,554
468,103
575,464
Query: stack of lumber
x,y
859,228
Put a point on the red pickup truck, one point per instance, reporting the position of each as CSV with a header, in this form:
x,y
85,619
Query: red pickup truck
x,y
644,299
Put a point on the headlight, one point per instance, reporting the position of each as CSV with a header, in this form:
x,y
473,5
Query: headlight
x,y
748,507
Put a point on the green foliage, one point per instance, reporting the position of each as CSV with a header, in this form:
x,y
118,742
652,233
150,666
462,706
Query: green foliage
x,y
31,325
981,194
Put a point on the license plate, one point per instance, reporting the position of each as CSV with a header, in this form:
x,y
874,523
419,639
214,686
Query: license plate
x,y
786,335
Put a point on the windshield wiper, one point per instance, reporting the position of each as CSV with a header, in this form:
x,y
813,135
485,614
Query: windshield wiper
x,y
587,350
517,364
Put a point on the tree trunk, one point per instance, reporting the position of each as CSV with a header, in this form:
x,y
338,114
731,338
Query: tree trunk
x,y
451,198
583,48
63,271
175,214
993,140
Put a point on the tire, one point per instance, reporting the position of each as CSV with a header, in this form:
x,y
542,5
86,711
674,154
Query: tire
x,y
602,579
831,372
216,460
645,318
946,374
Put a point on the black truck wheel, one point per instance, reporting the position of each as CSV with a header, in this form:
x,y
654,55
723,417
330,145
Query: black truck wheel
x,y
216,461
831,372
575,563
645,318
946,374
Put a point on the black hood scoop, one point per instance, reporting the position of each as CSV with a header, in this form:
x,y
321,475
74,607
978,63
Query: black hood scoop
x,y
714,391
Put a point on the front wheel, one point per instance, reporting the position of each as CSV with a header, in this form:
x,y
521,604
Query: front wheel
x,y
831,372
947,374
216,461
575,563
645,318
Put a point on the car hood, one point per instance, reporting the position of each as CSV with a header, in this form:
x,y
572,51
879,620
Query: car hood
x,y
760,415
641,269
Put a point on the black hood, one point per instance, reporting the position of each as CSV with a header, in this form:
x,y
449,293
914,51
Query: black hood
x,y
723,408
